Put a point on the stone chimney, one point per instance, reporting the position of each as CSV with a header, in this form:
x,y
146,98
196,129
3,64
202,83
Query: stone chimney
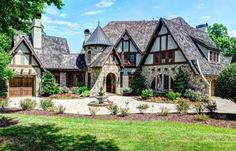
x,y
203,27
86,34
37,33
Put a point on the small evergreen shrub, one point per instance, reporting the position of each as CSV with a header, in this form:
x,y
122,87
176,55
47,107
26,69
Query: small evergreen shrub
x,y
47,105
85,93
173,96
113,109
49,85
199,108
75,90
196,96
137,84
3,88
164,111
28,104
200,117
93,110
83,89
123,112
61,109
4,103
182,106
180,84
142,108
225,85
147,93
211,106
64,90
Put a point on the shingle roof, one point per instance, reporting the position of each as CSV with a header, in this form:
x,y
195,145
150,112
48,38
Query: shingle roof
x,y
140,31
98,37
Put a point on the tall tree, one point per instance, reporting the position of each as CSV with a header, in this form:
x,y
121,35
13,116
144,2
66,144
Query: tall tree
x,y
137,84
180,83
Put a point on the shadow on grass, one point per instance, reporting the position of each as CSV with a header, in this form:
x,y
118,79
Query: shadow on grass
x,y
5,121
49,138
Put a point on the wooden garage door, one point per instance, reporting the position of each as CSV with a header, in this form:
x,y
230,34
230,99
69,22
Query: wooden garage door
x,y
21,86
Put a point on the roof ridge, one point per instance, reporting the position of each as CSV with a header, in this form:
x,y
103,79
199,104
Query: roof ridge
x,y
132,21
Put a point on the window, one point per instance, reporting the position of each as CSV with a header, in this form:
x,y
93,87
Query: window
x,y
131,77
156,57
89,80
57,77
214,57
170,57
166,82
121,79
163,57
126,45
132,58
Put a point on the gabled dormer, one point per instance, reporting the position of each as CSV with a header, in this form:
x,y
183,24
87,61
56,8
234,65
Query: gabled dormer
x,y
128,51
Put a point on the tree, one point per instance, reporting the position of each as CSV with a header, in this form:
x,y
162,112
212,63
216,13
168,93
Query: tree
x,y
225,85
180,83
49,85
219,34
137,84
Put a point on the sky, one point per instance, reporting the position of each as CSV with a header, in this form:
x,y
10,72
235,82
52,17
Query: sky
x,y
78,15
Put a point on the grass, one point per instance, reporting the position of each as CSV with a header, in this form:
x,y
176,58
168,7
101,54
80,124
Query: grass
x,y
40,133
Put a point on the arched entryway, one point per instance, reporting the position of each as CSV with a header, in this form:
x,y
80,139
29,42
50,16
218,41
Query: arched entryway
x,y
111,83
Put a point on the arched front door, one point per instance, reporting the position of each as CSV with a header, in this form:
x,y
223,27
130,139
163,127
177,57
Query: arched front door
x,y
111,83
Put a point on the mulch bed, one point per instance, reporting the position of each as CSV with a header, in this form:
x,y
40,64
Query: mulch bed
x,y
182,118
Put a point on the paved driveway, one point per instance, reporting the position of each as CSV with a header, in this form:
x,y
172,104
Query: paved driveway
x,y
81,105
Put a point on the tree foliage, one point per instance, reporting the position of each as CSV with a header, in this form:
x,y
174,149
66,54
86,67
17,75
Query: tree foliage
x,y
180,83
137,84
49,85
226,83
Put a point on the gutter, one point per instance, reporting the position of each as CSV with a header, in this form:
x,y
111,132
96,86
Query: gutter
x,y
200,71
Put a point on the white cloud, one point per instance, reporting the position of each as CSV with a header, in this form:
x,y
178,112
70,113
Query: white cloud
x,y
206,17
232,33
105,3
200,5
63,15
52,10
92,13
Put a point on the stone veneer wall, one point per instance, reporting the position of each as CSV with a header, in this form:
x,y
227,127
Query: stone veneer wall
x,y
95,51
195,81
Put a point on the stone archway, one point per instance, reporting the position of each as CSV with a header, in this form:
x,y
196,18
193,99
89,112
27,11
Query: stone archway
x,y
111,83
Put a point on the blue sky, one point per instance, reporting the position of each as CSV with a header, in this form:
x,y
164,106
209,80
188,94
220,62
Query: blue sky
x,y
77,15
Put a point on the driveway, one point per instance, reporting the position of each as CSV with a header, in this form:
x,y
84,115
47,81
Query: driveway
x,y
80,106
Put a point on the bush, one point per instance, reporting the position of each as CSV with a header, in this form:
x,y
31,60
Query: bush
x,y
225,85
164,111
199,108
211,106
124,112
173,96
4,103
3,88
49,85
147,93
137,84
85,93
47,105
93,110
28,104
182,106
113,109
180,83
142,108
83,89
61,109
200,117
75,90
64,90
196,96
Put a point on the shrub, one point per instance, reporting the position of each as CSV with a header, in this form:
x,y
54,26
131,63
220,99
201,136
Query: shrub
x,y
75,90
113,109
211,106
182,106
172,95
225,85
137,84
3,88
49,85
4,103
64,90
199,108
142,108
180,83
200,117
28,104
47,105
147,93
61,109
164,111
93,110
124,112
83,89
85,93
196,96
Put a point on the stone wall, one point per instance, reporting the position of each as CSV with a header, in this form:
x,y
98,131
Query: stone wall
x,y
95,52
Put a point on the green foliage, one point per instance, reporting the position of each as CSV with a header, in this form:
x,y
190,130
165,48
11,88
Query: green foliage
x,y
147,93
75,90
137,84
4,102
93,110
142,108
83,89
225,85
64,90
200,117
86,93
196,96
173,96
211,106
182,105
199,108
164,111
180,83
123,112
49,85
47,105
3,88
28,104
113,108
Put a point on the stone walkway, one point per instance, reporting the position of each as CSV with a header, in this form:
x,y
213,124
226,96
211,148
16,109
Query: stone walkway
x,y
225,106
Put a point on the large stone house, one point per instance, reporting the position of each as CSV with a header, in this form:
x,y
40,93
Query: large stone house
x,y
110,56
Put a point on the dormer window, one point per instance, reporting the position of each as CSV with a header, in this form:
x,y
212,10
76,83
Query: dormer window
x,y
214,57
89,56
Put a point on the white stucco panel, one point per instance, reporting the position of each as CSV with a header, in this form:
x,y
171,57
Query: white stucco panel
x,y
163,30
179,56
149,59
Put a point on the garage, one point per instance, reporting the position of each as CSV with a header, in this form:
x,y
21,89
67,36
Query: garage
x,y
21,86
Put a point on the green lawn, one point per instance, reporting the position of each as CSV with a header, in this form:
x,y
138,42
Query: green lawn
x,y
34,133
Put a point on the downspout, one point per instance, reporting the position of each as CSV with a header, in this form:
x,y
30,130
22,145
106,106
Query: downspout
x,y
198,65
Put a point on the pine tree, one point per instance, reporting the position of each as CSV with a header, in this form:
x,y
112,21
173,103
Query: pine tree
x,y
180,83
49,85
137,84
3,88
